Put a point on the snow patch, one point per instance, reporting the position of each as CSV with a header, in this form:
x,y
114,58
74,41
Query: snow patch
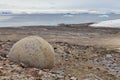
x,y
109,23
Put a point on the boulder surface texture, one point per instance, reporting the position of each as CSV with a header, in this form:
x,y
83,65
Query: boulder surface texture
x,y
33,51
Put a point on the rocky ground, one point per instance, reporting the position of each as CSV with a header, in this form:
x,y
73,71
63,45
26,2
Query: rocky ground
x,y
82,53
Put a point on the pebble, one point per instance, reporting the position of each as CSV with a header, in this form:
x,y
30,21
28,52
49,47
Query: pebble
x,y
92,77
60,77
3,53
2,58
73,78
40,73
108,55
58,72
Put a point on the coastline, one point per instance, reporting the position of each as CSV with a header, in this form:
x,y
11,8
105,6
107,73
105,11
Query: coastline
x,y
82,52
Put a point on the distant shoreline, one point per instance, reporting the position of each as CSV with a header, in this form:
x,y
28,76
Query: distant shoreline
x,y
62,25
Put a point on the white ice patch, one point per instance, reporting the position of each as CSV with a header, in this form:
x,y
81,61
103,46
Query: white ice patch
x,y
68,15
109,23
103,16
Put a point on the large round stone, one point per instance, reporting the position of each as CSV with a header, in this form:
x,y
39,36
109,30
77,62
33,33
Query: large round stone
x,y
33,51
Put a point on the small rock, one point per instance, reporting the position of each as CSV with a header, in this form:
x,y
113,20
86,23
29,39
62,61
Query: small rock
x,y
2,58
60,72
3,53
73,78
108,55
40,73
23,65
60,77
1,73
1,67
66,59
92,77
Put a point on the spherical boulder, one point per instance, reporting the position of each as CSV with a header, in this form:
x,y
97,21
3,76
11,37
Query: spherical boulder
x,y
33,51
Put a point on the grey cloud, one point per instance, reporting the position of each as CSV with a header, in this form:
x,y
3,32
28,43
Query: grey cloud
x,y
61,4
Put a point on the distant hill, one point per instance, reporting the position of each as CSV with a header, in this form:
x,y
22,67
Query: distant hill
x,y
67,13
5,12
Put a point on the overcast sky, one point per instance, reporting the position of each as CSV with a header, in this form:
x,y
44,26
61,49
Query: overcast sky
x,y
106,5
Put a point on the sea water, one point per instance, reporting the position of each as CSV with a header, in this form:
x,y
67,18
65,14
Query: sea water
x,y
15,20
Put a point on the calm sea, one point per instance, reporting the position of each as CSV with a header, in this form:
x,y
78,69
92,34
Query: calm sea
x,y
52,19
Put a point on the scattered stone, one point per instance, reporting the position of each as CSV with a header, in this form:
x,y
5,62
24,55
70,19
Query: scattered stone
x,y
104,65
92,77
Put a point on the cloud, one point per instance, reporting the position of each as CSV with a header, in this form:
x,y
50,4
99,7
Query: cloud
x,y
60,4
